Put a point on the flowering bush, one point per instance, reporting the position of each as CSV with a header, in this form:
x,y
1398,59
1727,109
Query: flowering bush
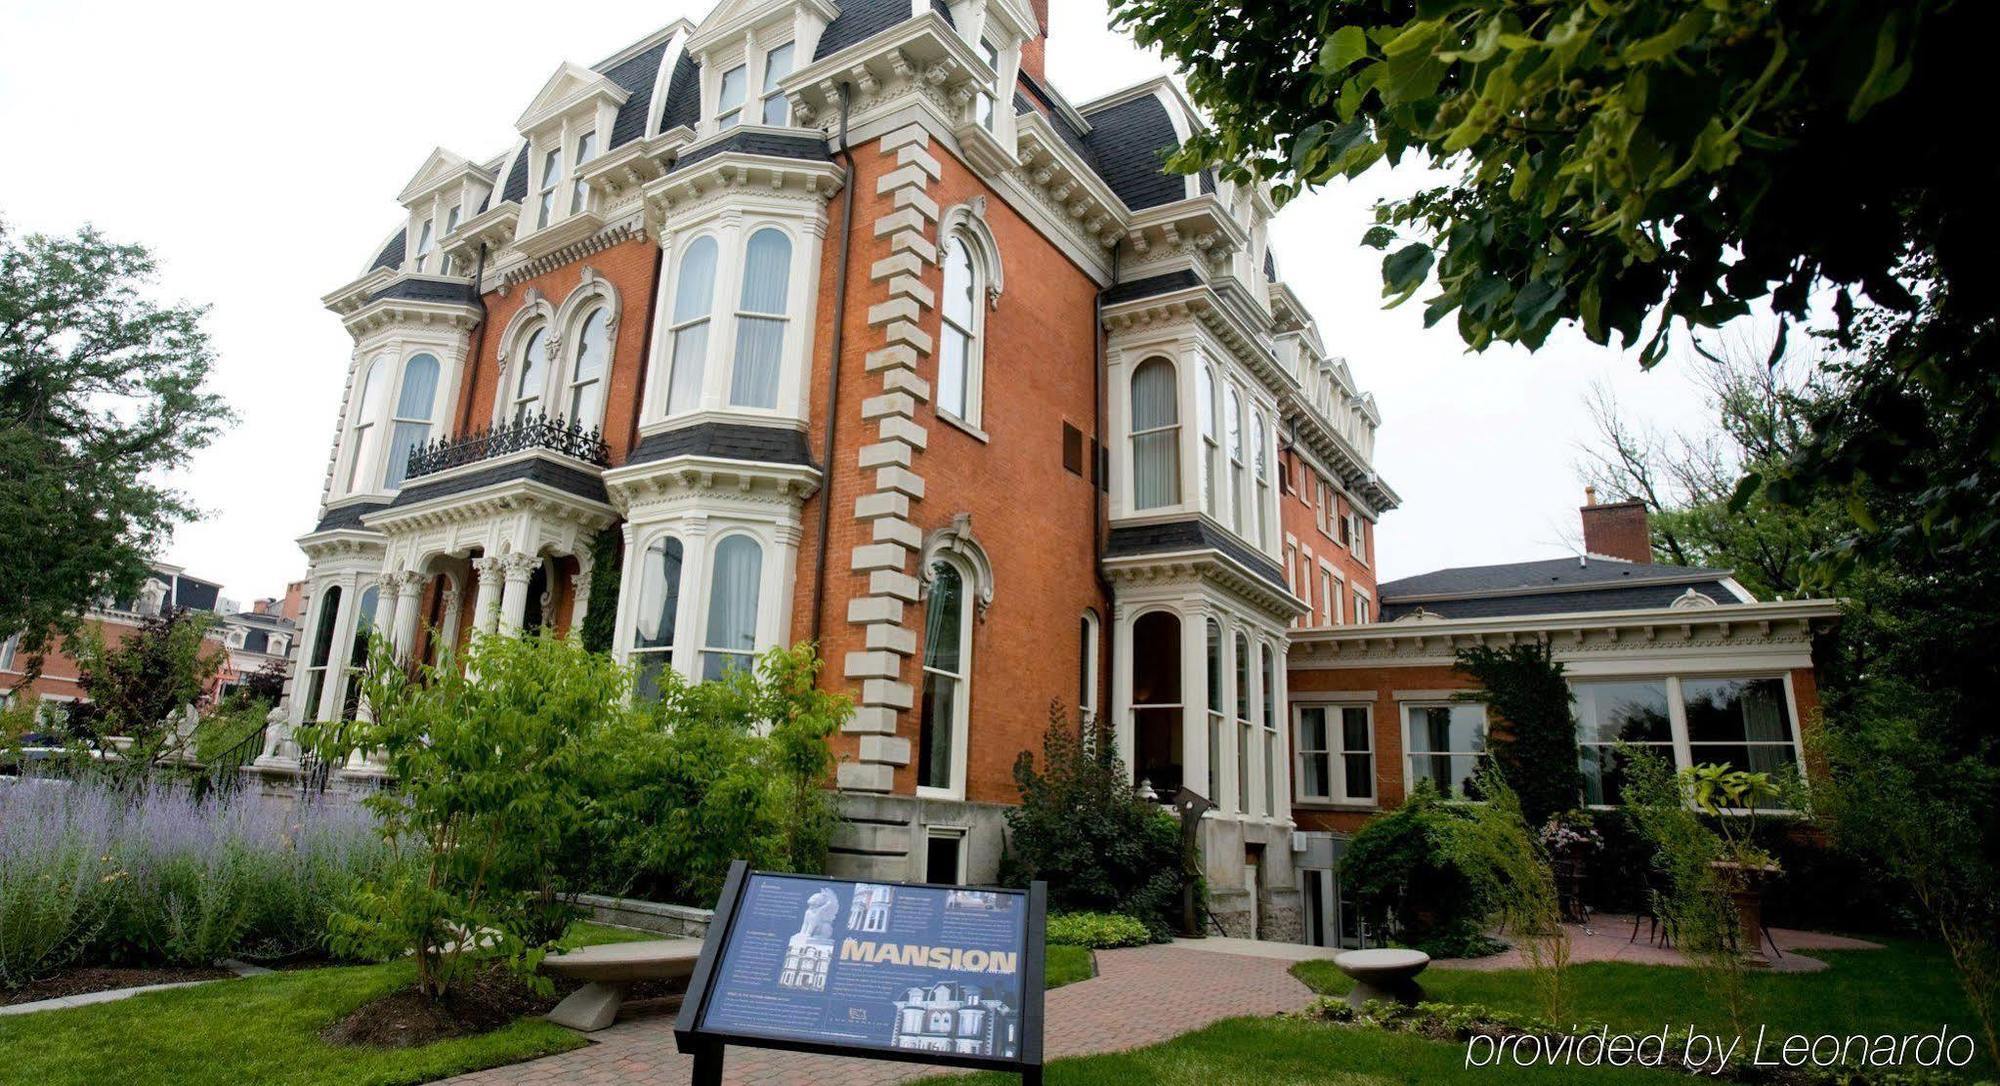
x,y
1571,833
89,874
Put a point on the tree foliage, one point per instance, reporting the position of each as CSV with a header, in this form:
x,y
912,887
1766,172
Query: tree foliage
x,y
1405,873
101,393
138,689
1534,740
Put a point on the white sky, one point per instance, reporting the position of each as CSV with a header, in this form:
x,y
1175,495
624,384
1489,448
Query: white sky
x,y
257,149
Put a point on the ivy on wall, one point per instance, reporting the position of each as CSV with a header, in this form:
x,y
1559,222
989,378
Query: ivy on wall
x,y
607,556
1533,737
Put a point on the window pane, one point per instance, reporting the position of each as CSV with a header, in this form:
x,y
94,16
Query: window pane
x,y
732,601
1736,711
403,439
534,372
694,283
735,83
593,354
1242,678
935,726
1156,469
1270,688
760,344
1153,403
958,282
652,667
767,264
1214,666
372,387
943,619
1632,712
690,348
777,65
1156,659
659,595
1354,733
1360,770
955,352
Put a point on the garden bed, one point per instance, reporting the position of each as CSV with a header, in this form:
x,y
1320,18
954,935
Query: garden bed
x,y
85,980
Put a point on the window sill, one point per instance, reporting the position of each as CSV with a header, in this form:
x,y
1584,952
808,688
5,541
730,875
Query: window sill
x,y
969,429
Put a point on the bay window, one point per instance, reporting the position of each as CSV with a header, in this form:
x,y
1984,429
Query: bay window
x,y
694,301
1156,701
760,320
1446,743
777,65
1336,756
1218,722
1205,410
1243,725
1269,674
947,648
1232,420
1742,722
1156,458
659,611
729,102
735,571
411,426
322,651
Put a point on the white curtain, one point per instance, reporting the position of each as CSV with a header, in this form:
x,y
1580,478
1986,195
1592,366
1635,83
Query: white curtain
x,y
760,339
659,595
593,354
413,414
735,571
1156,466
694,300
534,374
959,312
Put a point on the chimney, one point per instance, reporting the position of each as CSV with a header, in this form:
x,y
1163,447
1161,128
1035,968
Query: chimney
x,y
1616,529
1034,51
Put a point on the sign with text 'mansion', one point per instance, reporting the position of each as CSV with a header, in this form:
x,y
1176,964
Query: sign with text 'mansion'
x,y
948,975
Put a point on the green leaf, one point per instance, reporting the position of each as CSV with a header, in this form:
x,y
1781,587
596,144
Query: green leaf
x,y
1885,78
1416,37
1746,488
1404,270
1660,46
1536,302
1342,48
1378,237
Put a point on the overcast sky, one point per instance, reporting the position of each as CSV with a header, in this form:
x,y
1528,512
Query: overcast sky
x,y
257,149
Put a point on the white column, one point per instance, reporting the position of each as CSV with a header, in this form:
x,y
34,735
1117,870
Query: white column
x,y
579,607
454,612
517,568
486,604
1194,701
1284,719
1121,683
1231,799
385,604
409,591
1254,802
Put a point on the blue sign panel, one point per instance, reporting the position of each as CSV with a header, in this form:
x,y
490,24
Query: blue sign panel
x,y
925,972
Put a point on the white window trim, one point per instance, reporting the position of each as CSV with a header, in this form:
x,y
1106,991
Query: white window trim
x,y
1681,745
732,234
1337,615
1133,434
372,479
1091,630
966,224
1338,795
700,535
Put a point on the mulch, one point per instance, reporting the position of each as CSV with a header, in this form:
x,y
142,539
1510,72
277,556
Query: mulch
x,y
87,979
484,1001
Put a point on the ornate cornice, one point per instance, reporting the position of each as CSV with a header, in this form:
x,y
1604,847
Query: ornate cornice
x,y
1209,567
663,482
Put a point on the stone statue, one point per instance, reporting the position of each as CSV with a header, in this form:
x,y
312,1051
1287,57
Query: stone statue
x,y
818,922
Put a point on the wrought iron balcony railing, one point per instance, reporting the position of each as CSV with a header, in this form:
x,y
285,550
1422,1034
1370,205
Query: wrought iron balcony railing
x,y
536,431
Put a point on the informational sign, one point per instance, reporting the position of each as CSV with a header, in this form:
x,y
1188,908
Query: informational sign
x,y
936,974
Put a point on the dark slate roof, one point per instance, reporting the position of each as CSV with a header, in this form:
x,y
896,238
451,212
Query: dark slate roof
x,y
725,441
758,143
683,106
428,290
516,188
1188,535
1164,283
347,516
1129,141
1554,586
1058,119
583,484
392,253
636,75
860,20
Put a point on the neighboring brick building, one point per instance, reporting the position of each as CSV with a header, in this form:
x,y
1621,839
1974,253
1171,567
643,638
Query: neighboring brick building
x,y
1013,437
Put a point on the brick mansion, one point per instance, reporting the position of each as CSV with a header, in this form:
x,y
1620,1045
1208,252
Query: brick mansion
x,y
834,321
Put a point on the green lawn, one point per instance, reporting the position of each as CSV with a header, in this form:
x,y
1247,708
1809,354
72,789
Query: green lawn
x,y
258,1030
1067,965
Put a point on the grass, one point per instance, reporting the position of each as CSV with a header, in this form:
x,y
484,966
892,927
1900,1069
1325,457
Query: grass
x,y
260,1029
1067,965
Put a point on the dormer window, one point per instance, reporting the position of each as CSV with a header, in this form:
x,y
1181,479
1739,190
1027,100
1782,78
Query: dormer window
x,y
552,177
777,65
586,149
424,242
729,104
450,224
985,105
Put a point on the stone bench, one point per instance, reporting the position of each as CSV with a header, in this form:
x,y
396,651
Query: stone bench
x,y
608,969
1384,974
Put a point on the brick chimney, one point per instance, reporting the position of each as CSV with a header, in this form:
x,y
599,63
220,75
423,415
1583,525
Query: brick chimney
x,y
1616,529
1034,51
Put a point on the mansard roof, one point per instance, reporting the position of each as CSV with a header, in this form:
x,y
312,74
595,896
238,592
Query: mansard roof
x,y
770,144
683,107
860,20
637,75
391,256
1129,142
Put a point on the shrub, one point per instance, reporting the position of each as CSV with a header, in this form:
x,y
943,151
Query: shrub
x,y
1097,931
1080,828
1402,872
1494,844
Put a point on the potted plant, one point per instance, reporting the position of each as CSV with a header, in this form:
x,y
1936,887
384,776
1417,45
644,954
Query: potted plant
x,y
1570,838
1732,797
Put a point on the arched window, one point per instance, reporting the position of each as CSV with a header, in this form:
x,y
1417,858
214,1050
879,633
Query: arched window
x,y
760,319
357,657
1211,446
322,650
1218,721
735,571
960,350
659,608
1243,724
1270,744
1087,650
1232,419
593,357
1156,433
366,434
413,414
1262,461
534,375
1156,701
694,301
947,659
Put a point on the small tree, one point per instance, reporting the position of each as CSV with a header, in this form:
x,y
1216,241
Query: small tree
x,y
1535,746
1079,826
1694,899
139,687
1496,845
1408,878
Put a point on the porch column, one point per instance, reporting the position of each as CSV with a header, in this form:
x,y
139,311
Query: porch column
x,y
579,606
385,604
1232,800
486,603
1121,686
409,591
1194,701
517,568
454,611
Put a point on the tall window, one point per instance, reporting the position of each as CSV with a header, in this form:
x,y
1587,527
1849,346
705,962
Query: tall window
x,y
659,612
593,357
945,653
984,107
552,178
1329,597
729,104
1359,531
1741,722
958,362
412,425
1156,701
365,435
1610,713
1233,420
1156,432
1243,725
579,193
1361,616
322,650
737,568
760,319
1270,737
777,65
1205,409
1446,742
534,367
1336,753
423,245
357,657
694,301
1263,471
1218,721
1087,649
450,224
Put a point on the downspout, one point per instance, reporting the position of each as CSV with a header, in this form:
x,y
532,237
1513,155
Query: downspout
x,y
1100,470
833,370
478,343
646,348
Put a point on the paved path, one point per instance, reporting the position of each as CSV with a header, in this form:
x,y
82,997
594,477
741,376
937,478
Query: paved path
x,y
1140,997
1611,938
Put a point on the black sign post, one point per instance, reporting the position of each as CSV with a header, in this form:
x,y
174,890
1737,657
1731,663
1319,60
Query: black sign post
x,y
914,972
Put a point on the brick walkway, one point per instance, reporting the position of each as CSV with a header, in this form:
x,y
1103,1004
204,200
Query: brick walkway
x,y
1139,997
